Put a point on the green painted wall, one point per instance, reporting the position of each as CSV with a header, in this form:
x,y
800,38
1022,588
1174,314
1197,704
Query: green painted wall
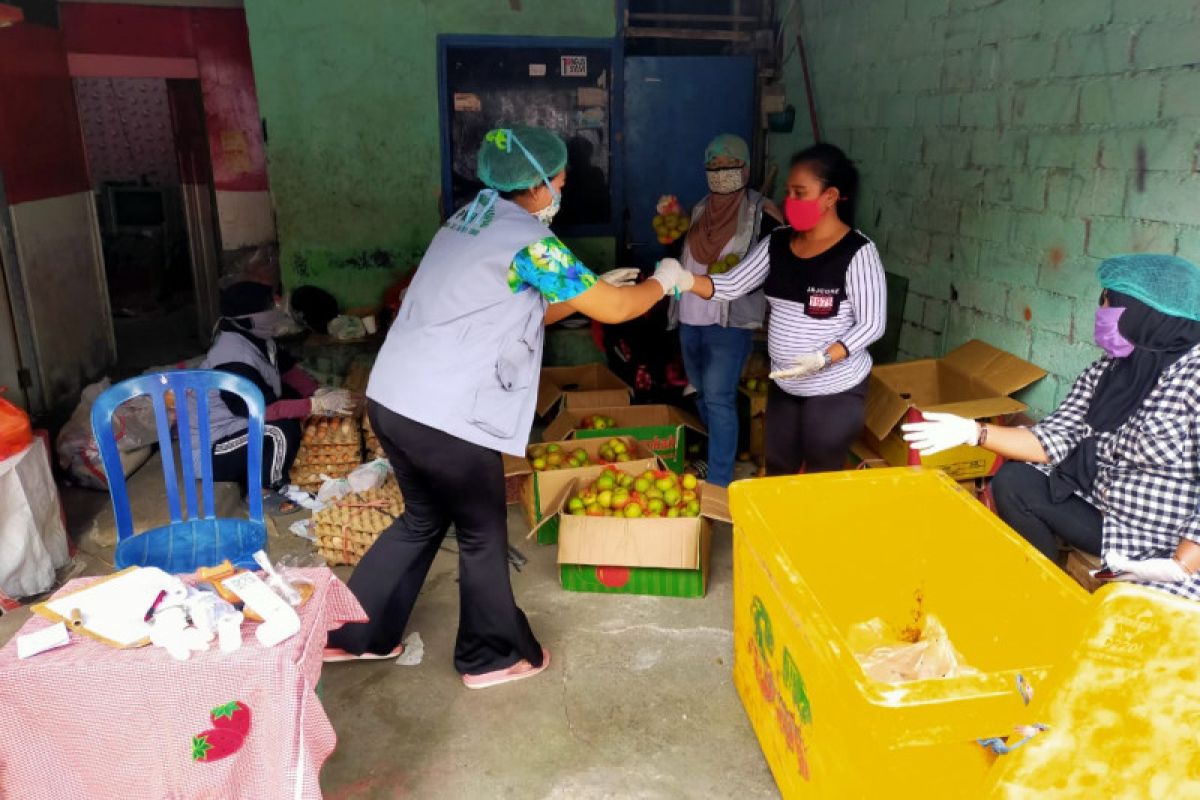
x,y
349,95
1006,147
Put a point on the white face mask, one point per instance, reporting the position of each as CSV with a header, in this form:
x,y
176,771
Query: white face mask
x,y
546,215
725,180
267,324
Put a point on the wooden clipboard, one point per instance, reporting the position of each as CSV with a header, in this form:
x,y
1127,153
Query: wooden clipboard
x,y
44,610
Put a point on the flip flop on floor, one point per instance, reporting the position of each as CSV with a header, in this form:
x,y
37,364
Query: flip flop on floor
x,y
518,671
336,655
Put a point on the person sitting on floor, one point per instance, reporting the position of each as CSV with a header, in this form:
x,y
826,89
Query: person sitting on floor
x,y
1115,470
244,345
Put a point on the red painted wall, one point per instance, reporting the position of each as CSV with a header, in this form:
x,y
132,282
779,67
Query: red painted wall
x,y
120,30
239,156
41,144
219,42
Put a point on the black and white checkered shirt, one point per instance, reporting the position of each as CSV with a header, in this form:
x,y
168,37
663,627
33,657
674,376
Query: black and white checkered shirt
x,y
1148,484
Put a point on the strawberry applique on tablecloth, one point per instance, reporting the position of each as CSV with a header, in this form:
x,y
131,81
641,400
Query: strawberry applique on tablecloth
x,y
230,726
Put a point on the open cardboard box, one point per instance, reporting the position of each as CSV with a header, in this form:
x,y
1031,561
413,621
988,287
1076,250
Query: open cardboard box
x,y
660,429
540,491
973,381
516,471
611,555
586,386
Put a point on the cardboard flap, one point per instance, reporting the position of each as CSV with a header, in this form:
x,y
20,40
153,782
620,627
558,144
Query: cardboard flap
x,y
560,429
714,503
547,395
885,408
596,398
1000,372
980,409
558,382
681,417
608,541
515,465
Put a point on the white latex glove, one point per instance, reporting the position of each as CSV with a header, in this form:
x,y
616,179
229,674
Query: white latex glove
x,y
328,402
673,277
803,365
626,276
1159,570
940,432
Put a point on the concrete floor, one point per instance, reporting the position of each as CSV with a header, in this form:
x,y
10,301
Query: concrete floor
x,y
637,703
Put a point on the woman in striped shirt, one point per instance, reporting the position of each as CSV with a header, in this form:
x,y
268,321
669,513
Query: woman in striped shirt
x,y
825,286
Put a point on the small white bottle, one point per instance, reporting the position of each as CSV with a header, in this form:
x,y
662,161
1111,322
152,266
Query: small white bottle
x,y
229,632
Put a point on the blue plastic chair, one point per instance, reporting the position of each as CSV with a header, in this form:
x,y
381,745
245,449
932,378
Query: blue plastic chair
x,y
200,539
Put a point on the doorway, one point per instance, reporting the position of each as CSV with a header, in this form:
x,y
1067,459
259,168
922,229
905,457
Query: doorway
x,y
147,157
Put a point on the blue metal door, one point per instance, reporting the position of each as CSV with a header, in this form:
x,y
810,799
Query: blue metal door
x,y
675,105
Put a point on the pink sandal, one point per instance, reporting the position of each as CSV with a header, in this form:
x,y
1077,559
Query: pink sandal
x,y
336,655
518,671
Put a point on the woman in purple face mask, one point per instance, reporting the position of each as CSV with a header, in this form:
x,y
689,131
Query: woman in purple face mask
x,y
1115,470
825,286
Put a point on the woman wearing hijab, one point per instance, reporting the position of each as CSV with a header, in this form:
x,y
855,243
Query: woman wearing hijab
x,y
455,385
716,337
245,346
1115,470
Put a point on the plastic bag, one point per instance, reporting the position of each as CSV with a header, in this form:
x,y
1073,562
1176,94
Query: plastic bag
x,y
364,477
892,657
15,431
133,425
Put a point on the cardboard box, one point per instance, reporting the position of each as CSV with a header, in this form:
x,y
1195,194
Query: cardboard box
x,y
752,418
587,386
541,491
516,471
972,381
863,457
610,555
1079,567
660,429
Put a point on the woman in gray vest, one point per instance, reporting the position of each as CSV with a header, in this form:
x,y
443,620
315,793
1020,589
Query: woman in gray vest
x,y
245,345
716,337
455,386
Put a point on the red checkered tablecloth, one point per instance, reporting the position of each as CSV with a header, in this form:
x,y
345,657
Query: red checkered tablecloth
x,y
91,721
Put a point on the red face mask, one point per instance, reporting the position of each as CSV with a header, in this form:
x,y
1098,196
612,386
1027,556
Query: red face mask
x,y
802,215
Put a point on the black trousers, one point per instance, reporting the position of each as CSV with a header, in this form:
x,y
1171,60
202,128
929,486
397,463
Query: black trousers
x,y
812,432
281,442
444,480
1022,495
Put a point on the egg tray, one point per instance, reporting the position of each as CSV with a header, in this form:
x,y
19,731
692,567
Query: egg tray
x,y
348,527
308,476
329,454
335,431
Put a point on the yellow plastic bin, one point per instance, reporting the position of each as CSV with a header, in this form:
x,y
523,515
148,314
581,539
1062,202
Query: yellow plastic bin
x,y
1121,713
814,555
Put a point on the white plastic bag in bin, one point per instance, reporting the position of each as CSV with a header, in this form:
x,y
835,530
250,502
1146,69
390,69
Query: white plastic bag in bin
x,y
914,654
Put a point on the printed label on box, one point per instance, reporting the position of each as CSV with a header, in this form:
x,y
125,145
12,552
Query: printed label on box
x,y
573,66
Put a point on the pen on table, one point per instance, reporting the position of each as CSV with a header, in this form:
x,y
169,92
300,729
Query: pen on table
x,y
154,606
76,618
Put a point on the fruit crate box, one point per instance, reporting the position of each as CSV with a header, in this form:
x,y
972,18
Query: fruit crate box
x,y
668,557
540,489
973,381
663,430
581,387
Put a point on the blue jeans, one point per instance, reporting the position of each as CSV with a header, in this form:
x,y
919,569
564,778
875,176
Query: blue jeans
x,y
714,357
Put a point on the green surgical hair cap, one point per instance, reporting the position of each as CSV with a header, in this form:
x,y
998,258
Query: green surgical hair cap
x,y
728,144
1169,284
511,159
